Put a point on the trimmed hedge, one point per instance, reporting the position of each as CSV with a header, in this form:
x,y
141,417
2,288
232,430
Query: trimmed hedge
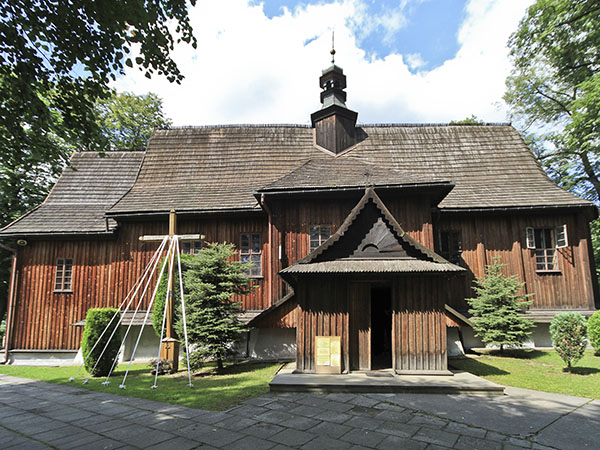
x,y
96,320
594,331
568,331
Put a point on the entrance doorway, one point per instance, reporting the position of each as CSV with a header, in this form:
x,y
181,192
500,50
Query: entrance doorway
x,y
381,327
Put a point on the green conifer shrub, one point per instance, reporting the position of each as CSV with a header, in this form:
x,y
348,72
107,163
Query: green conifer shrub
x,y
496,310
593,327
96,320
210,281
568,332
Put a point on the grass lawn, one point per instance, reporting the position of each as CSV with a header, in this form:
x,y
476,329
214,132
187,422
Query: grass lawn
x,y
212,392
537,369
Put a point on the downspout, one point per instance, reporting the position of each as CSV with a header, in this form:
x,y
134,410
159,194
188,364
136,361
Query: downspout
x,y
10,305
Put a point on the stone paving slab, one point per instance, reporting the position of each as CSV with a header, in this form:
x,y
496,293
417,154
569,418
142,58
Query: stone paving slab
x,y
520,419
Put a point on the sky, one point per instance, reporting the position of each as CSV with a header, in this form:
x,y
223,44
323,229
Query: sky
x,y
406,61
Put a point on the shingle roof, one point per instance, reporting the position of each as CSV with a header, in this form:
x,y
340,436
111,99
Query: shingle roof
x,y
323,172
218,168
80,198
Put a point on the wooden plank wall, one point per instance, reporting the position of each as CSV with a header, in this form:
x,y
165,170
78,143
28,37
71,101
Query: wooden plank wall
x,y
485,237
419,323
103,273
322,311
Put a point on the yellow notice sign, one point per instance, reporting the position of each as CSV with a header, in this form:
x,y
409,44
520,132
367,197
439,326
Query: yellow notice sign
x,y
328,354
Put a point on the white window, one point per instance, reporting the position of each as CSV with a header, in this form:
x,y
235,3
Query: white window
x,y
545,241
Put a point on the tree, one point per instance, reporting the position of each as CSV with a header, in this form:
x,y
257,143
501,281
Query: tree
x,y
473,120
554,89
497,308
209,282
568,333
127,120
593,327
57,61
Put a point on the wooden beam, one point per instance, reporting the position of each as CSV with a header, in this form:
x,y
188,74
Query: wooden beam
x,y
182,237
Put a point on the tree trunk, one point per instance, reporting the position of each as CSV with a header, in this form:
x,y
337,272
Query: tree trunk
x,y
219,364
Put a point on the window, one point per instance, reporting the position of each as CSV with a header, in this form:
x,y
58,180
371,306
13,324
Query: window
x,y
450,246
545,241
64,275
191,247
251,252
318,235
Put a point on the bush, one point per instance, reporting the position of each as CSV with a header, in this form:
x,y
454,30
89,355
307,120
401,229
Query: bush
x,y
594,331
568,333
96,320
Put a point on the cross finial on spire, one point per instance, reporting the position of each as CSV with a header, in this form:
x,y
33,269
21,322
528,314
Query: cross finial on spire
x,y
332,47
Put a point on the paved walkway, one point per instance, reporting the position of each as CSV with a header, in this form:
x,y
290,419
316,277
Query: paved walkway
x,y
35,414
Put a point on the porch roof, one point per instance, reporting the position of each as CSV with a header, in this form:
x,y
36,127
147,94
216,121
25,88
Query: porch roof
x,y
372,266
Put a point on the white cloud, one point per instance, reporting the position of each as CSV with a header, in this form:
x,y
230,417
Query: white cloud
x,y
252,69
414,60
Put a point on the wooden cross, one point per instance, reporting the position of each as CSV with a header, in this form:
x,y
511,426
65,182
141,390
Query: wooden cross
x,y
169,349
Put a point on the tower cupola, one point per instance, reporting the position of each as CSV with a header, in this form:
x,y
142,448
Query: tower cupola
x,y
334,123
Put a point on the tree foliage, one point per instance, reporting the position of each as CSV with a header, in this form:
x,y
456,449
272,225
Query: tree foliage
x,y
593,327
56,61
568,333
554,89
98,361
497,308
127,120
473,120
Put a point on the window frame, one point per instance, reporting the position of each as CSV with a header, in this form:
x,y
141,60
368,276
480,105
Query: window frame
x,y
63,275
321,240
546,258
250,253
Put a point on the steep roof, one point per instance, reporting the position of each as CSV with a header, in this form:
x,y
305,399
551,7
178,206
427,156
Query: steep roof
x,y
218,168
83,193
370,241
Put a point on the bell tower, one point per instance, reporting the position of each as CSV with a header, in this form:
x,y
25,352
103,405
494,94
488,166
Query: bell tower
x,y
334,123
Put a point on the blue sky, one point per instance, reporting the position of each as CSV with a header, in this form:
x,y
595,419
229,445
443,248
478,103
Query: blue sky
x,y
428,28
415,61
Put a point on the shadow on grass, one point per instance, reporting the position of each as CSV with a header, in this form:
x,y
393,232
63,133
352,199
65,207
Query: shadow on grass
x,y
476,367
520,353
582,370
232,369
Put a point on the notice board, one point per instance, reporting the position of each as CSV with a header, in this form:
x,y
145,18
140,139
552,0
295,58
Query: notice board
x,y
328,354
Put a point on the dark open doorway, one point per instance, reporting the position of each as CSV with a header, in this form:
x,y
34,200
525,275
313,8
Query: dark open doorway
x,y
381,327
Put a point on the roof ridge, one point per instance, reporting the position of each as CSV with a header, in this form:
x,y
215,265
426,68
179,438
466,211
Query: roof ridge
x,y
236,125
300,125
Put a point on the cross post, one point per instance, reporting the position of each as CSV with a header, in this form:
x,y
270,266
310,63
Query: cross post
x,y
169,348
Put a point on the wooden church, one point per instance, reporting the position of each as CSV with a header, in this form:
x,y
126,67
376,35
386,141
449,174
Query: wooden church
x,y
369,234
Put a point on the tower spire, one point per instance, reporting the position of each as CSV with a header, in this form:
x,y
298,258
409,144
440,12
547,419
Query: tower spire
x,y
332,47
